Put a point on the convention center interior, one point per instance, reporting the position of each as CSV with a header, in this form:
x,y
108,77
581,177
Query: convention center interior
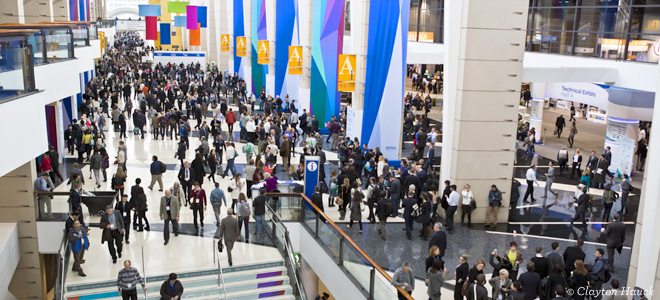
x,y
329,149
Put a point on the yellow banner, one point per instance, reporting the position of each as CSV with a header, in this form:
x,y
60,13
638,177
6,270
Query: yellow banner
x,y
346,73
240,46
295,60
224,43
262,52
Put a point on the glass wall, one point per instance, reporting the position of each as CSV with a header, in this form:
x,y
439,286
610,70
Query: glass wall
x,y
426,21
16,67
613,29
58,45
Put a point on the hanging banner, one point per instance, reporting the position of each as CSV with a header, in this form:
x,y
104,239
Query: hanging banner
x,y
295,60
152,28
195,37
346,73
191,17
224,42
165,34
263,52
177,6
240,46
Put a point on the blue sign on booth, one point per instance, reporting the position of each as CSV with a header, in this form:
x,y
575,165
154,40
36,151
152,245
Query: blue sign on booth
x,y
311,174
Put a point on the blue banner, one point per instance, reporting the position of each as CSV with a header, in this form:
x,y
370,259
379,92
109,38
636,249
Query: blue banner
x,y
311,174
202,16
180,21
165,34
146,10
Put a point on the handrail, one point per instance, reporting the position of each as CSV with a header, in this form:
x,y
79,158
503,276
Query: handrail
x,y
61,268
288,248
144,274
221,275
345,237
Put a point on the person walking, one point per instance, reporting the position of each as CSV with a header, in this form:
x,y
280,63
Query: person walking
x,y
113,231
179,194
530,175
562,159
124,208
626,189
452,202
157,169
118,181
95,164
356,206
560,123
169,212
229,232
259,206
616,235
140,206
198,204
577,162
236,186
217,198
571,134
127,281
230,155
408,204
77,236
382,213
404,278
582,205
494,203
171,289
550,178
244,213
461,276
186,175
609,196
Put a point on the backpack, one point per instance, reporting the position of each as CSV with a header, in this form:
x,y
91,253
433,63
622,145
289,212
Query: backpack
x,y
605,275
375,194
389,208
163,168
545,288
244,209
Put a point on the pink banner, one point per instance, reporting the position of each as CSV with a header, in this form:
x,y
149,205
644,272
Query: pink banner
x,y
152,28
191,14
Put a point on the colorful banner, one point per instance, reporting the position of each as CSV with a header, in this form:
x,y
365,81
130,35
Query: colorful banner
x,y
78,10
327,44
240,46
287,34
346,73
152,28
224,43
295,60
258,33
202,17
239,31
263,52
180,21
177,7
165,34
195,39
146,10
191,17
386,66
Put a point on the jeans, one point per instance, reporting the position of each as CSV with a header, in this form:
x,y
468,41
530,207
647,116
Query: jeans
x,y
129,294
395,204
259,221
607,210
244,221
230,166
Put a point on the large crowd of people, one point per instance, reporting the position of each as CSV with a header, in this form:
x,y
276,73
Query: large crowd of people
x,y
172,101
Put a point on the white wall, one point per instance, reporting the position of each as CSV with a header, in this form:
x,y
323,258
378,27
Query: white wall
x,y
87,54
50,236
12,80
425,53
9,257
180,58
56,81
323,265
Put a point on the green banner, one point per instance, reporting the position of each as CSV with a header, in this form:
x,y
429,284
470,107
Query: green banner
x,y
177,7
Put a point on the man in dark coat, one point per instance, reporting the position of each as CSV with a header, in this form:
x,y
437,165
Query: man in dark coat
x,y
531,282
571,254
113,231
439,239
616,235
582,205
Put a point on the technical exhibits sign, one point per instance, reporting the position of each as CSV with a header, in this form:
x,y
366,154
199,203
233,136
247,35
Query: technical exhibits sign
x,y
295,60
587,93
346,73
240,46
263,52
224,43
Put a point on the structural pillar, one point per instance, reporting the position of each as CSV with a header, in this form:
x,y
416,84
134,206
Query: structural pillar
x,y
359,37
306,12
482,90
536,115
644,274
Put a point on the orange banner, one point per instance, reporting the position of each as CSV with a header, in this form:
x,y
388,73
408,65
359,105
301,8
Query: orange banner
x,y
346,73
295,60
224,43
240,46
195,39
263,52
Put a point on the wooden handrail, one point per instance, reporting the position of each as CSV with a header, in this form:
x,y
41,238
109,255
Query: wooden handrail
x,y
347,238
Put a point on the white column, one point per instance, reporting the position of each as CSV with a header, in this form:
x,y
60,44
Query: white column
x,y
536,115
228,13
359,43
305,10
644,273
271,18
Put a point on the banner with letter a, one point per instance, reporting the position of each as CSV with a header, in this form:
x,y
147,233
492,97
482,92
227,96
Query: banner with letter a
x,y
346,73
295,60
224,43
263,52
240,46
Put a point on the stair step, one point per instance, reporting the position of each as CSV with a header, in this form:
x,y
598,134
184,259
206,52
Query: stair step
x,y
207,293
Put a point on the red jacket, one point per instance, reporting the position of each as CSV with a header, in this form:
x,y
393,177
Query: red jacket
x,y
45,164
230,117
198,197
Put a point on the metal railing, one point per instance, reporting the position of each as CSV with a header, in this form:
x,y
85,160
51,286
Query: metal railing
x,y
221,275
144,273
367,275
62,263
280,235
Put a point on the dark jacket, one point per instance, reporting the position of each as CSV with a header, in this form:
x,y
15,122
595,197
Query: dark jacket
x,y
616,234
439,239
127,209
381,210
582,203
165,290
541,266
106,236
317,199
395,189
408,206
462,272
182,175
531,282
481,292
259,205
571,254
425,218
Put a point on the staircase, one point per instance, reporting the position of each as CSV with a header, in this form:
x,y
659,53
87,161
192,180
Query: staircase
x,y
253,281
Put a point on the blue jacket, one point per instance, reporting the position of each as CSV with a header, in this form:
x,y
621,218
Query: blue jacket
x,y
156,168
218,195
76,243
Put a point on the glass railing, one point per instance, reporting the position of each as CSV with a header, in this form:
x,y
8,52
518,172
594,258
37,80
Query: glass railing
x,y
368,276
16,70
93,203
59,45
80,36
62,263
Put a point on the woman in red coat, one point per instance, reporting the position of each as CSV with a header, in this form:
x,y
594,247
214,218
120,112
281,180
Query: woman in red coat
x,y
230,119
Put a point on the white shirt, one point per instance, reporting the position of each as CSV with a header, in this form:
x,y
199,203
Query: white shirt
x,y
641,135
453,198
467,197
576,157
531,175
250,127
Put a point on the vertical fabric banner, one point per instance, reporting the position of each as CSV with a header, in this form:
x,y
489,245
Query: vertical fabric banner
x,y
180,21
258,33
286,36
191,17
311,174
263,52
239,31
195,39
177,6
240,46
224,43
165,34
386,66
327,44
202,16
295,60
146,10
152,28
346,73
